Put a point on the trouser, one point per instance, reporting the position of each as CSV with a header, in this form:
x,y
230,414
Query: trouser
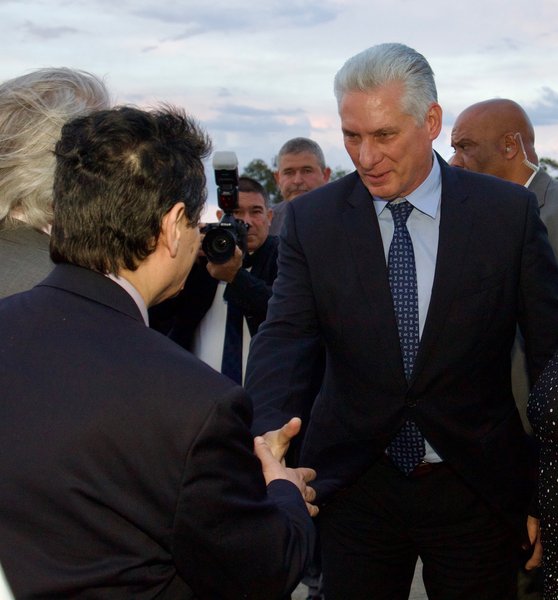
x,y
373,532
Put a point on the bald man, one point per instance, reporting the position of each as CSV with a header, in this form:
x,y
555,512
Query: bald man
x,y
496,137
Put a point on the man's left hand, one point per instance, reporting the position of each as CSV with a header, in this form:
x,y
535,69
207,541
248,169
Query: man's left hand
x,y
228,270
534,531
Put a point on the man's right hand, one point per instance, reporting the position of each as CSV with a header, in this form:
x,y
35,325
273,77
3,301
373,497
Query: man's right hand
x,y
273,469
279,440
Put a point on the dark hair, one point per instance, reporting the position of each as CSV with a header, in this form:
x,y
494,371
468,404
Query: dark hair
x,y
118,172
247,184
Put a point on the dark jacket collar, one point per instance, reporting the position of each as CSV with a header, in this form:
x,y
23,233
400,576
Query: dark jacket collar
x,y
94,286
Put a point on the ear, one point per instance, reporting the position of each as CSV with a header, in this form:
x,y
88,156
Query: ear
x,y
270,215
171,228
511,147
434,120
276,177
219,214
327,174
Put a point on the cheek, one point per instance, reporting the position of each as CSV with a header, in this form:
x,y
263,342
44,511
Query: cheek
x,y
353,152
256,228
312,179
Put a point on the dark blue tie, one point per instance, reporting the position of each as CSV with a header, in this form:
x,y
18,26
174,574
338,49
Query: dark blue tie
x,y
231,364
407,447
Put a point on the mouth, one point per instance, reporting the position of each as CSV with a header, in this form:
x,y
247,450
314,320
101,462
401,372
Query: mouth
x,y
298,190
376,178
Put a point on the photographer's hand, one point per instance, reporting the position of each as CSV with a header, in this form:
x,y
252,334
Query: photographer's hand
x,y
226,271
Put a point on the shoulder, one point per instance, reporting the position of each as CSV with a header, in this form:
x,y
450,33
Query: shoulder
x,y
485,192
329,197
270,246
545,187
279,207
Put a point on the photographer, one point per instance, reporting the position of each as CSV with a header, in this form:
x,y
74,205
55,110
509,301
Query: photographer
x,y
197,318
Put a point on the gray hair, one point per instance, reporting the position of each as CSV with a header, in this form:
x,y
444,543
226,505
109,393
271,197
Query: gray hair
x,y
302,144
386,63
33,109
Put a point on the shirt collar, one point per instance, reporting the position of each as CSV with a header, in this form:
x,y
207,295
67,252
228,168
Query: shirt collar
x,y
132,291
426,197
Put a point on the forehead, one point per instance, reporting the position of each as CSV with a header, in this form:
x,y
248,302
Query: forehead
x,y
250,200
470,124
299,160
376,108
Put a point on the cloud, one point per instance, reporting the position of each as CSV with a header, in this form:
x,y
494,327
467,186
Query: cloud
x,y
239,118
505,44
49,33
545,110
224,16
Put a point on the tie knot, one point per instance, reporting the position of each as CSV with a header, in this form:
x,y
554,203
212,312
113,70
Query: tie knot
x,y
400,212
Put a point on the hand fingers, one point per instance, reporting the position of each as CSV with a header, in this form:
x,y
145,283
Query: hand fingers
x,y
533,528
290,429
313,510
536,558
307,473
309,494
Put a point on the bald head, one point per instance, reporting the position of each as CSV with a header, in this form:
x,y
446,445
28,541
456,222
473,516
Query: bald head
x,y
494,137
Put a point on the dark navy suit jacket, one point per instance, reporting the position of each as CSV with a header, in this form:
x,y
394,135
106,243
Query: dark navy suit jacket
x,y
495,268
127,465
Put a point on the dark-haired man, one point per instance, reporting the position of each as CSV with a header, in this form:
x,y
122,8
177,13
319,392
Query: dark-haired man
x,y
127,465
199,315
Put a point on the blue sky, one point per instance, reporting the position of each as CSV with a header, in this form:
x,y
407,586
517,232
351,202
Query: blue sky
x,y
256,74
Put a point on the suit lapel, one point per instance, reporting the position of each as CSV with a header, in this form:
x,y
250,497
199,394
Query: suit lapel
x,y
456,228
363,236
539,185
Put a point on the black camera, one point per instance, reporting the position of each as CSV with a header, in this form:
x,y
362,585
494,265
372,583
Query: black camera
x,y
222,238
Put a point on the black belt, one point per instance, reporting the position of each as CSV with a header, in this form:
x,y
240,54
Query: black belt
x,y
424,468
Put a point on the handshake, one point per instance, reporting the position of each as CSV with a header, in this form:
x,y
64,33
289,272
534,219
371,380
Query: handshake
x,y
271,449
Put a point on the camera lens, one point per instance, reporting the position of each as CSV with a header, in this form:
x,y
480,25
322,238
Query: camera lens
x,y
219,245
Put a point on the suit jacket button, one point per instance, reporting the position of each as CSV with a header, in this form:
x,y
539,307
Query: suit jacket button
x,y
411,402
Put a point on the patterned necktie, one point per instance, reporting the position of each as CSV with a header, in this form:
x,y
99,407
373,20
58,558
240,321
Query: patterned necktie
x,y
231,364
406,450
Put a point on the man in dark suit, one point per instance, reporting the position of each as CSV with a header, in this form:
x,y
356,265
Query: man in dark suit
x,y
496,137
413,275
128,467
197,318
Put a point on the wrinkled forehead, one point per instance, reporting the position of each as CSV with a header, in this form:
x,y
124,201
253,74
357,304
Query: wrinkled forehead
x,y
300,160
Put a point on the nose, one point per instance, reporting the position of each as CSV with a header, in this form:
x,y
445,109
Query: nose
x,y
456,160
369,154
298,177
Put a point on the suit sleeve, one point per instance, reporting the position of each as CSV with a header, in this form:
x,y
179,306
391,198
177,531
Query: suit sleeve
x,y
250,293
233,537
251,289
538,302
286,361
